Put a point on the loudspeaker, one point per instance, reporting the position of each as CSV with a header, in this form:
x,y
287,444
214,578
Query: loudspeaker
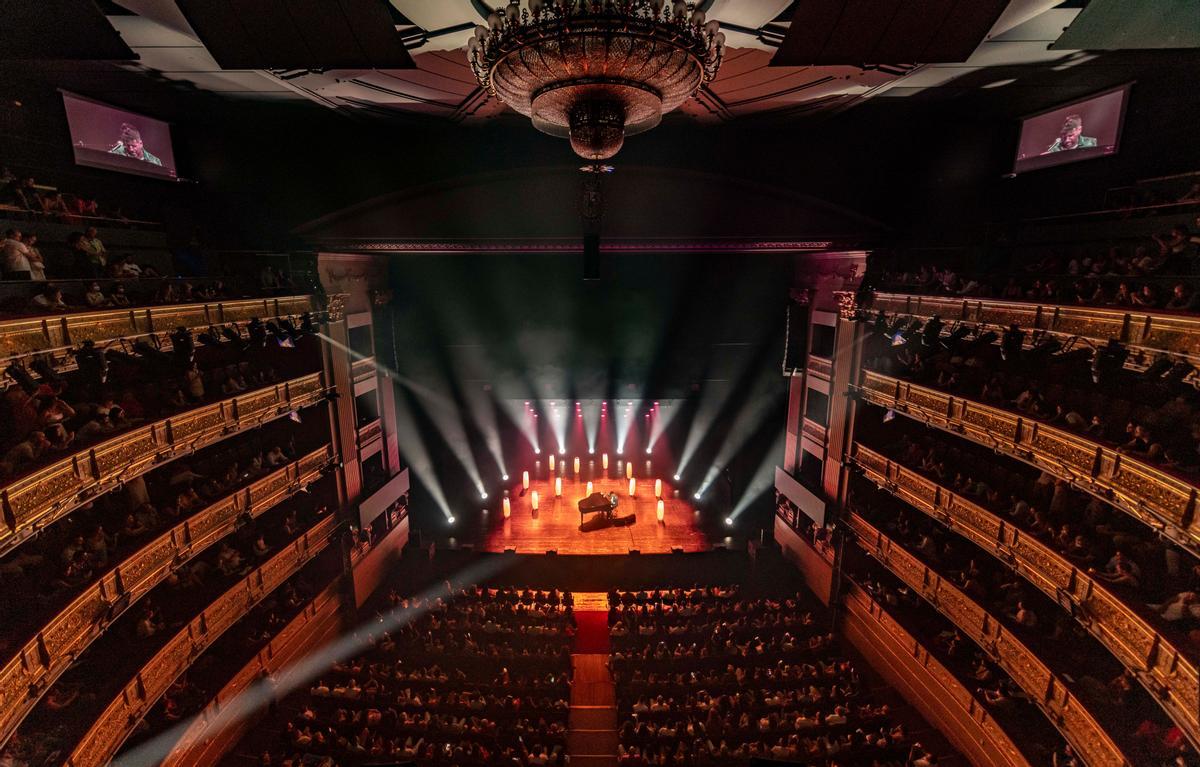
x,y
591,256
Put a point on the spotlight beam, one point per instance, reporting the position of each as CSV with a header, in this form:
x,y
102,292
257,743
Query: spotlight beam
x,y
412,447
264,692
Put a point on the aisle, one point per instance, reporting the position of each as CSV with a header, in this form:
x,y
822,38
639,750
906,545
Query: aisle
x,y
592,726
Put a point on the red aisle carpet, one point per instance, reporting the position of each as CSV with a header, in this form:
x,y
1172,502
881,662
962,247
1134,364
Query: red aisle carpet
x,y
592,636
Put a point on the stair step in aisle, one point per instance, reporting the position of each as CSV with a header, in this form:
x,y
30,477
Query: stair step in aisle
x,y
592,723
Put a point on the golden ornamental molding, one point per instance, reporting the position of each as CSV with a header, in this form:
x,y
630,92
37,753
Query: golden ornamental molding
x,y
1062,708
335,306
54,648
992,738
107,734
1151,331
1159,665
56,335
1160,500
41,498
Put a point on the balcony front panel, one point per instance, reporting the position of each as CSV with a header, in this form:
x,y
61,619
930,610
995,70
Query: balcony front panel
x,y
1155,497
1158,663
982,739
45,496
318,618
106,735
58,333
47,655
1173,333
1078,726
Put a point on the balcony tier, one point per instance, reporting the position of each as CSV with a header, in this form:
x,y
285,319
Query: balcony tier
x,y
45,657
106,735
1044,688
1154,496
1170,677
46,495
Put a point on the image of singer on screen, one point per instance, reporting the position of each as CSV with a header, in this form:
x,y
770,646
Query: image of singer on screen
x,y
1071,136
130,145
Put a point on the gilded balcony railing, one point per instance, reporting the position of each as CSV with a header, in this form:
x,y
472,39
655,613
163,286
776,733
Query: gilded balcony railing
x,y
820,367
56,334
1167,674
45,496
1045,689
105,736
994,740
814,430
1161,500
218,713
1173,333
370,433
47,655
360,370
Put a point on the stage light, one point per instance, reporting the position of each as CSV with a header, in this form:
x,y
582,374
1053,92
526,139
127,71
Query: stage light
x,y
604,461
552,462
648,450
450,520
629,470
562,451
696,496
483,495
558,487
507,509
589,488
534,500
632,487
525,480
676,477
729,521
662,510
577,464
538,451
658,488
504,477
591,451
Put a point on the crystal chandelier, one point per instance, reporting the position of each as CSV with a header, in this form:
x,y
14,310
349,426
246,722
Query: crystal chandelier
x,y
595,71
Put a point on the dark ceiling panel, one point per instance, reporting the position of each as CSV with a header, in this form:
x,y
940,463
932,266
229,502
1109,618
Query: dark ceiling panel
x,y
376,34
812,25
275,32
862,27
964,28
856,32
327,34
221,31
59,29
911,31
298,34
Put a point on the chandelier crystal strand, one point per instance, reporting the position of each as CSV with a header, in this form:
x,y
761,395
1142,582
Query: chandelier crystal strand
x,y
595,71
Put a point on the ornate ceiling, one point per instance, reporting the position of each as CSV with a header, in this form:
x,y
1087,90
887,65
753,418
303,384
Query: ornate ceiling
x,y
442,86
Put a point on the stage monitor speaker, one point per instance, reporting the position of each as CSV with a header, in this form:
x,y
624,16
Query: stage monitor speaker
x,y
591,257
635,551
676,549
510,551
551,552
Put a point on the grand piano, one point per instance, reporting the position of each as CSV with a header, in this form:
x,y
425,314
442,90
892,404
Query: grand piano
x,y
604,506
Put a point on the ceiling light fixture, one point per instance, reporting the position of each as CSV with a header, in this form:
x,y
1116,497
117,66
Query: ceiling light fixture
x,y
595,71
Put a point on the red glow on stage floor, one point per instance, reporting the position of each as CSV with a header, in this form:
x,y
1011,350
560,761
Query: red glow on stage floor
x,y
556,526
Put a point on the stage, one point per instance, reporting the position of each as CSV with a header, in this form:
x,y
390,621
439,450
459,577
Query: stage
x,y
557,524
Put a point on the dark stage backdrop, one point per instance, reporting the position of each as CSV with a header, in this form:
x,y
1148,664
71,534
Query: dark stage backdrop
x,y
657,324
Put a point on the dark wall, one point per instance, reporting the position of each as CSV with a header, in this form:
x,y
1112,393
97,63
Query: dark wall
x,y
929,167
660,322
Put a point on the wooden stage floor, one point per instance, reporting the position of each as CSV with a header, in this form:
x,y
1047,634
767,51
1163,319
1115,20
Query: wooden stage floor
x,y
557,524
